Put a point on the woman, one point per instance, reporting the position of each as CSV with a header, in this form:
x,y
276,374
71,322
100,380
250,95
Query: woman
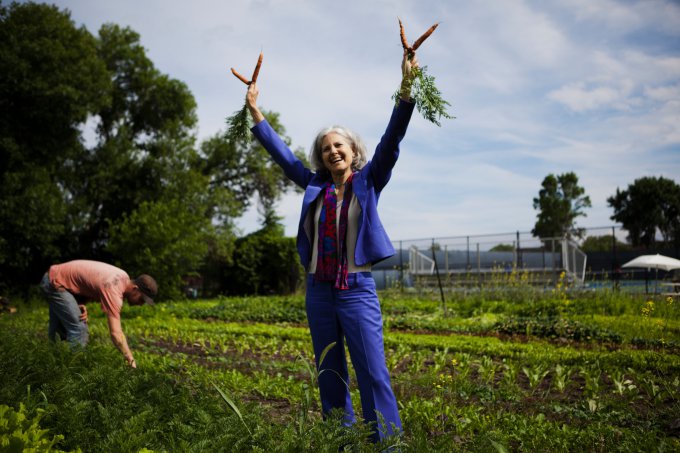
x,y
339,237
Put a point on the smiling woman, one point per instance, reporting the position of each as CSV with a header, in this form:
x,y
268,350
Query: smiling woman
x,y
340,237
334,145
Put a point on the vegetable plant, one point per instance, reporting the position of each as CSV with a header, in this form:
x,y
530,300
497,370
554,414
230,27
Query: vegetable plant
x,y
239,123
428,98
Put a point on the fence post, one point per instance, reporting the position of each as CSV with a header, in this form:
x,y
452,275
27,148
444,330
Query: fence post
x,y
615,261
439,280
467,264
479,267
401,267
554,262
565,257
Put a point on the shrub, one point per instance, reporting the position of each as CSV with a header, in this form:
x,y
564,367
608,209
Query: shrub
x,y
265,262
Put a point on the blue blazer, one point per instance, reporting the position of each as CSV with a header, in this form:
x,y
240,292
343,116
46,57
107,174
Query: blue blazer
x,y
373,244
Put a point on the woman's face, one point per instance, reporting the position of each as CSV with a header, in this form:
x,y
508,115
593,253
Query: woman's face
x,y
336,153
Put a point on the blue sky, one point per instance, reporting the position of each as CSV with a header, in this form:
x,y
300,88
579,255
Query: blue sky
x,y
537,87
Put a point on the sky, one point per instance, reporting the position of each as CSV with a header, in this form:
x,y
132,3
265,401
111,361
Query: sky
x,y
536,87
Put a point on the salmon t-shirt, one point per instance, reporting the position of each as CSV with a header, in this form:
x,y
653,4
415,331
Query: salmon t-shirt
x,y
94,280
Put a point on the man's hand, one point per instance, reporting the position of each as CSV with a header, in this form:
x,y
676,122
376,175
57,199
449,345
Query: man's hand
x,y
118,338
83,313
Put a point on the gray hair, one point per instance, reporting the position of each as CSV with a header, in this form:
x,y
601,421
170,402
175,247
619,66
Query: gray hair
x,y
360,155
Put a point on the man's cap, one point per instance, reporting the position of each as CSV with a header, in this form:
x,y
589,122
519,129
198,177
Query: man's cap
x,y
148,287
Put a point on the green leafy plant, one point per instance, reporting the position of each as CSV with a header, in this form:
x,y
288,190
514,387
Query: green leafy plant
x,y
428,98
561,377
238,125
592,376
535,375
621,383
486,369
20,432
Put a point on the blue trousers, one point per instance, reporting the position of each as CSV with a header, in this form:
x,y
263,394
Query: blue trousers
x,y
352,315
64,316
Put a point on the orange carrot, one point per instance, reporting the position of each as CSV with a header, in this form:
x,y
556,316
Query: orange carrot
x,y
240,77
426,35
402,34
257,68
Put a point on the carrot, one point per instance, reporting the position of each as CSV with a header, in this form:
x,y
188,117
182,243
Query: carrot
x,y
426,35
402,34
257,68
240,77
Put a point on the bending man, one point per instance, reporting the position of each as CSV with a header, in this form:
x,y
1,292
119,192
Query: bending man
x,y
67,283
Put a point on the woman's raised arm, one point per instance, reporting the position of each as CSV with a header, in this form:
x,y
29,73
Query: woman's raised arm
x,y
407,64
251,102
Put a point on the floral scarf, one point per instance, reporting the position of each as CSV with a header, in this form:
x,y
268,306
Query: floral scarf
x,y
330,266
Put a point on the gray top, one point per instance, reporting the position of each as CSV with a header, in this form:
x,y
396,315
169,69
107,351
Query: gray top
x,y
353,216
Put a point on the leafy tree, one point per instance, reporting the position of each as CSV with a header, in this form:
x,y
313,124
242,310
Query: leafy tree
x,y
163,238
246,168
265,262
143,195
560,202
51,80
602,244
502,248
145,141
648,205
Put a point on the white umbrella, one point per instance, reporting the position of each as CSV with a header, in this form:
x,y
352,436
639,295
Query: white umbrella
x,y
654,262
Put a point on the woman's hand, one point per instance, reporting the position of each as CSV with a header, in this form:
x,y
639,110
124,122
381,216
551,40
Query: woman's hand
x,y
251,96
251,102
407,73
407,65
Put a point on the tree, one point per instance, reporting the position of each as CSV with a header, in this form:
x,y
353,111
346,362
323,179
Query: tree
x,y
648,206
143,195
51,80
602,244
163,238
502,248
145,141
265,262
560,202
247,169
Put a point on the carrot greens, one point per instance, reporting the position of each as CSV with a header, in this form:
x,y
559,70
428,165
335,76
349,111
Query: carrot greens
x,y
424,92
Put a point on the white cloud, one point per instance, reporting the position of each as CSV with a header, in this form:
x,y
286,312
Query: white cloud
x,y
580,98
664,94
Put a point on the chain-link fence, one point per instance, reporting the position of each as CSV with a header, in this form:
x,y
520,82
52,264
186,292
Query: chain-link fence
x,y
593,260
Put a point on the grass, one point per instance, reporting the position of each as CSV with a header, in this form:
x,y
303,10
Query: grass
x,y
560,371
